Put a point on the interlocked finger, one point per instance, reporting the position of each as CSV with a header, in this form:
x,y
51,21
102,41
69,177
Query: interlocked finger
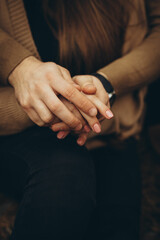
x,y
82,139
61,126
103,109
56,107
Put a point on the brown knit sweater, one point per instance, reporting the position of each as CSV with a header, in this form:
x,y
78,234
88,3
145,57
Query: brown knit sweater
x,y
129,75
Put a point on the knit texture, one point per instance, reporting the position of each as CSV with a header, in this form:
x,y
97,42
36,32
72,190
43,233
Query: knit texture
x,y
16,42
138,66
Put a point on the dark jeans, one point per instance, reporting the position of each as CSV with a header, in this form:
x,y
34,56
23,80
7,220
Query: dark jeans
x,y
67,192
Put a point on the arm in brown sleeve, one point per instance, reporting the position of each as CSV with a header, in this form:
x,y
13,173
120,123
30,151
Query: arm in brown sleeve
x,y
142,65
11,54
12,118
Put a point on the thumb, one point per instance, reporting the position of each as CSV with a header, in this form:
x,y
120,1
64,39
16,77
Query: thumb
x,y
86,84
89,88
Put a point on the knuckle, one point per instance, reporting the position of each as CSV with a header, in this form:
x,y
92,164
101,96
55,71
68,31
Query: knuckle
x,y
50,66
69,92
55,107
85,103
66,71
25,104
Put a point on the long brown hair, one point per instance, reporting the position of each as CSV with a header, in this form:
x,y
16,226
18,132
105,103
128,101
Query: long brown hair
x,y
90,32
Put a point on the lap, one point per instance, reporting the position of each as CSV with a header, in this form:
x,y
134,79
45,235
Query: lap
x,y
116,170
38,148
38,152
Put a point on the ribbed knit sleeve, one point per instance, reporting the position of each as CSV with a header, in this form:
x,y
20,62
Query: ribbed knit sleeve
x,y
11,54
16,41
12,117
140,66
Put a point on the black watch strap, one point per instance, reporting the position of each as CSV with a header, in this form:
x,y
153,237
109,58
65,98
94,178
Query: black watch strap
x,y
107,86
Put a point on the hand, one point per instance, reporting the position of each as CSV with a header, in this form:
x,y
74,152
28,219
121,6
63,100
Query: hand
x,y
58,125
100,98
37,85
89,84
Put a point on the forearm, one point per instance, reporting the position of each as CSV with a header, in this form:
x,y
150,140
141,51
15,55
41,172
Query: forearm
x,y
140,66
12,118
137,69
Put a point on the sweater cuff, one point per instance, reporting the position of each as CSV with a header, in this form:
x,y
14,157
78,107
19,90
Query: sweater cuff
x,y
115,72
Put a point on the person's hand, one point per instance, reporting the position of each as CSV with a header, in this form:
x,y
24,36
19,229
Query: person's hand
x,y
63,130
89,85
100,98
37,85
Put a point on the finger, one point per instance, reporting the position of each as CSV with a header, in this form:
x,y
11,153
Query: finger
x,y
67,76
101,118
82,139
89,89
60,110
86,84
55,120
74,110
62,135
35,117
63,127
102,108
60,127
93,122
87,129
44,113
77,87
68,91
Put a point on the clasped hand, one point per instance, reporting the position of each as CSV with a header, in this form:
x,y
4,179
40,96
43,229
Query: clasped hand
x,y
50,97
93,89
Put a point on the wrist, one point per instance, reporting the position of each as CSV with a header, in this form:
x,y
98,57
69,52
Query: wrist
x,y
107,86
20,69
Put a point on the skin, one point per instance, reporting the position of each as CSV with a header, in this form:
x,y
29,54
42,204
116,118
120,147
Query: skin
x,y
94,90
37,86
71,108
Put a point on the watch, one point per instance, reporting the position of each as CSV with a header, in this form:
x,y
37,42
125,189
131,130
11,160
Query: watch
x,y
107,86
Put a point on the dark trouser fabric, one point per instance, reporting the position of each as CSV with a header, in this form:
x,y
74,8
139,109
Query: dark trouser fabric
x,y
67,192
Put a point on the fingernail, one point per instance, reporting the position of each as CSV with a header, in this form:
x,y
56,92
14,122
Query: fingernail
x,y
79,127
97,128
93,112
109,114
87,129
60,135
